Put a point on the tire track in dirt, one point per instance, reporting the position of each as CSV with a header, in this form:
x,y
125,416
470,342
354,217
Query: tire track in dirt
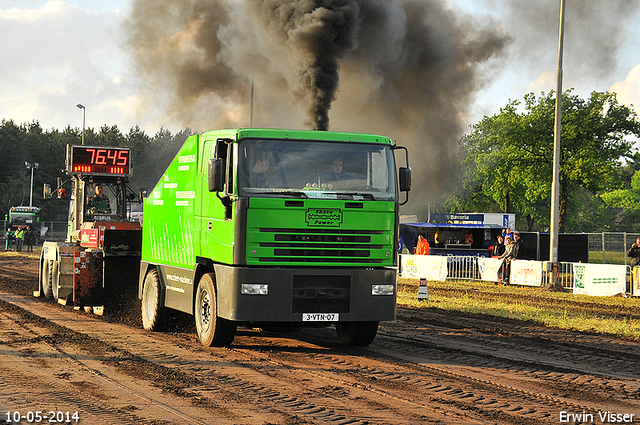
x,y
428,366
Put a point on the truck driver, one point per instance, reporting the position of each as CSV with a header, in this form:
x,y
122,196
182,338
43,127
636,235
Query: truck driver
x,y
99,203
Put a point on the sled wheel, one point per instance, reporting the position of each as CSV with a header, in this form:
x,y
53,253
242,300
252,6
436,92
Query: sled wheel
x,y
45,278
55,279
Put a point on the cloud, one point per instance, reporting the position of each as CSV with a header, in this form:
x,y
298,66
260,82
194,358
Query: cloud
x,y
546,82
628,90
61,55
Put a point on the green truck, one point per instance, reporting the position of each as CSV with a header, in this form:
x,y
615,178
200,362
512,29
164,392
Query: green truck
x,y
266,228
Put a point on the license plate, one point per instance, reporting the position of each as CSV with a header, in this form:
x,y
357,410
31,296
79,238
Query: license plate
x,y
320,317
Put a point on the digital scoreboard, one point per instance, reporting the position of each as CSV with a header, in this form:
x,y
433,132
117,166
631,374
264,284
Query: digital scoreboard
x,y
103,161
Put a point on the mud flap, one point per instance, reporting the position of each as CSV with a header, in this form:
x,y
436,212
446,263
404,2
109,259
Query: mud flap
x,y
120,290
122,250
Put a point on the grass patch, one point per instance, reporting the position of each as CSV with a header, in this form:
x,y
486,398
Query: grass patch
x,y
23,254
610,257
614,316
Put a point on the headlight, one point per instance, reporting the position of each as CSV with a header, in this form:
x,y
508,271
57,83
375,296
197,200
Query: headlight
x,y
382,289
254,289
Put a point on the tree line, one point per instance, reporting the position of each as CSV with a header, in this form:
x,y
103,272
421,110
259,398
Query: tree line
x,y
505,164
20,143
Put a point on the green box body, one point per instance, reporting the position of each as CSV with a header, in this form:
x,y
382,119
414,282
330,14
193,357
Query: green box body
x,y
320,243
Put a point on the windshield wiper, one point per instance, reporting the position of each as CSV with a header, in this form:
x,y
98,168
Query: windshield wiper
x,y
367,196
289,194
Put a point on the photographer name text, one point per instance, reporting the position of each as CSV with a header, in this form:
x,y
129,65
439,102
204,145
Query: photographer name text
x,y
602,417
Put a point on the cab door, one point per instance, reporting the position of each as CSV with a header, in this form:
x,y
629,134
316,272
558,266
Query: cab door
x,y
216,221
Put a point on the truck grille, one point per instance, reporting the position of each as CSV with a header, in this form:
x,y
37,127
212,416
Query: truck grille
x,y
321,294
320,246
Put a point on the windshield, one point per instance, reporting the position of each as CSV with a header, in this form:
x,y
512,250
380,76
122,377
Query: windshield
x,y
331,170
22,218
103,202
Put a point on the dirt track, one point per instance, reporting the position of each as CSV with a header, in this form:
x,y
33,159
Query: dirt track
x,y
429,366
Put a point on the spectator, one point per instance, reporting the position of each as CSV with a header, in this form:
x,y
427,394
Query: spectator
x,y
506,257
518,248
498,247
468,238
437,240
11,235
19,239
634,254
30,239
423,246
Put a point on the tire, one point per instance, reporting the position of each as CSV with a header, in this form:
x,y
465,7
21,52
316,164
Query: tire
x,y
212,330
152,302
356,333
45,278
55,279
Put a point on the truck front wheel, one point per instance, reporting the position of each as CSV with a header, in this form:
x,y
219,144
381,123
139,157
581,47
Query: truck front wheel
x,y
357,333
212,330
152,308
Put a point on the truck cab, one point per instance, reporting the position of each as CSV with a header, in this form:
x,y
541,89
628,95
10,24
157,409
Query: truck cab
x,y
268,227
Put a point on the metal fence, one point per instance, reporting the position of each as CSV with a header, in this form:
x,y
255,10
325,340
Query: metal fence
x,y
466,268
610,248
55,231
604,248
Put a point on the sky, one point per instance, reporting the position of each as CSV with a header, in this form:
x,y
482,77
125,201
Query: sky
x,y
57,54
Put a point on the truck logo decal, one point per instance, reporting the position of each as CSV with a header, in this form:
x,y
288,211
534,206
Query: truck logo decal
x,y
324,217
185,159
186,194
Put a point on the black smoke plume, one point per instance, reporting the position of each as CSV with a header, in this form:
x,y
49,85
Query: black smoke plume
x,y
408,69
319,32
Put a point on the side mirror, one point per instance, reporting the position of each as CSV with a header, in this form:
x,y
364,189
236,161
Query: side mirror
x,y
216,175
405,179
142,194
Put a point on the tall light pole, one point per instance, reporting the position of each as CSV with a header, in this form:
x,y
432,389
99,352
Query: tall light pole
x,y
81,106
251,120
555,185
31,166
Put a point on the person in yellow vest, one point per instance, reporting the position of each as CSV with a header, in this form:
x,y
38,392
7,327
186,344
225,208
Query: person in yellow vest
x,y
19,239
437,239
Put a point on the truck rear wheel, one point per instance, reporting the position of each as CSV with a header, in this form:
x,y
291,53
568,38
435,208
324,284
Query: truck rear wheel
x,y
212,330
357,333
152,308
45,278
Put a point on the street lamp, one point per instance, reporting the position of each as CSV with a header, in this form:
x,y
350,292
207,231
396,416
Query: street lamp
x,y
555,184
81,106
31,167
